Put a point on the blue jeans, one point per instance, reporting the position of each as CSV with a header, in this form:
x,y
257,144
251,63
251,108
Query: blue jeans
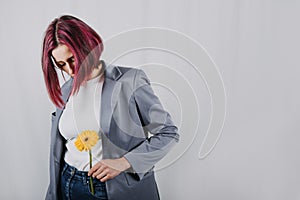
x,y
75,185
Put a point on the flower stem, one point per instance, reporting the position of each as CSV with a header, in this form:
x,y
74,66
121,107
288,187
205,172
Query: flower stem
x,y
91,178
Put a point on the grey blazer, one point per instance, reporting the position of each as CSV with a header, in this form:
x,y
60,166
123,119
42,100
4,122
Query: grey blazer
x,y
129,112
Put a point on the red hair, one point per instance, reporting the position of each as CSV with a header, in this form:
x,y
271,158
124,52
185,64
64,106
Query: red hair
x,y
84,43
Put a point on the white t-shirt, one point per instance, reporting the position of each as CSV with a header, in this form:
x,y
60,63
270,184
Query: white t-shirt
x,y
82,112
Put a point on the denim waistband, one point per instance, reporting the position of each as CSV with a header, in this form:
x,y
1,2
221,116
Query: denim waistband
x,y
70,170
76,174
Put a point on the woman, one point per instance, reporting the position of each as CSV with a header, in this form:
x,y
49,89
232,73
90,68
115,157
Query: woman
x,y
118,102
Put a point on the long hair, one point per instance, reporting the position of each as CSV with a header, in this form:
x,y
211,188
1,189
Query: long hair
x,y
84,43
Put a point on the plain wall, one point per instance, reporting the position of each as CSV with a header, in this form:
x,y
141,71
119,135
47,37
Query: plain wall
x,y
255,46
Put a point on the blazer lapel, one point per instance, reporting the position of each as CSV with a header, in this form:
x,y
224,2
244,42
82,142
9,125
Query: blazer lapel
x,y
110,92
57,143
65,96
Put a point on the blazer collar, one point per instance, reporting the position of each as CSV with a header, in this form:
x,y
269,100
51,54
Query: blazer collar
x,y
111,71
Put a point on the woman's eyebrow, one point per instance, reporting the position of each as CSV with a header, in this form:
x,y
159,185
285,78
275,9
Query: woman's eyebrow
x,y
53,59
70,58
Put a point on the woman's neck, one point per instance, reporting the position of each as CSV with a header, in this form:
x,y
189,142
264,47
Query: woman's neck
x,y
96,72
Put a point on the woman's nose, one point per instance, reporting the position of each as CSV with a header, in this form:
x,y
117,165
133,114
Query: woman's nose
x,y
70,69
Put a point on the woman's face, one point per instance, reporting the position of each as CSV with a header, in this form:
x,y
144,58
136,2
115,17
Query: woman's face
x,y
64,59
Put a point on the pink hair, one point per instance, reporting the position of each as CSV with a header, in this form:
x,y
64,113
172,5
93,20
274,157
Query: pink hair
x,y
84,43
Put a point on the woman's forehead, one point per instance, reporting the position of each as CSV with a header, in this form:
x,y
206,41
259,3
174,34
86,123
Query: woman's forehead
x,y
61,53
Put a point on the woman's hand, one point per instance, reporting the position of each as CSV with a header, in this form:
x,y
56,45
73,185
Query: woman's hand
x,y
108,168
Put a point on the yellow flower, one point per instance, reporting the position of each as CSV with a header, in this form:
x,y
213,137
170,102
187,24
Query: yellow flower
x,y
86,140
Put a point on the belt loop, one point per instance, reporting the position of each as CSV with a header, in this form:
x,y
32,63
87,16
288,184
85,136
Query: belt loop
x,y
84,178
64,168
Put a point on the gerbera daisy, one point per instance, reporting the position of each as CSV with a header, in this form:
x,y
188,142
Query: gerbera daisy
x,y
86,140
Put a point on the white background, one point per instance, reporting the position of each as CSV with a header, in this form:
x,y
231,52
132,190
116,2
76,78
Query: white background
x,y
255,45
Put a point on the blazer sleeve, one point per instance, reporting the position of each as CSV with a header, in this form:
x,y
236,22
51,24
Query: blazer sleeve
x,y
157,121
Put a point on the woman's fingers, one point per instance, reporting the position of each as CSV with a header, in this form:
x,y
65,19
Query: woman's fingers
x,y
102,174
99,171
108,169
94,169
107,177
